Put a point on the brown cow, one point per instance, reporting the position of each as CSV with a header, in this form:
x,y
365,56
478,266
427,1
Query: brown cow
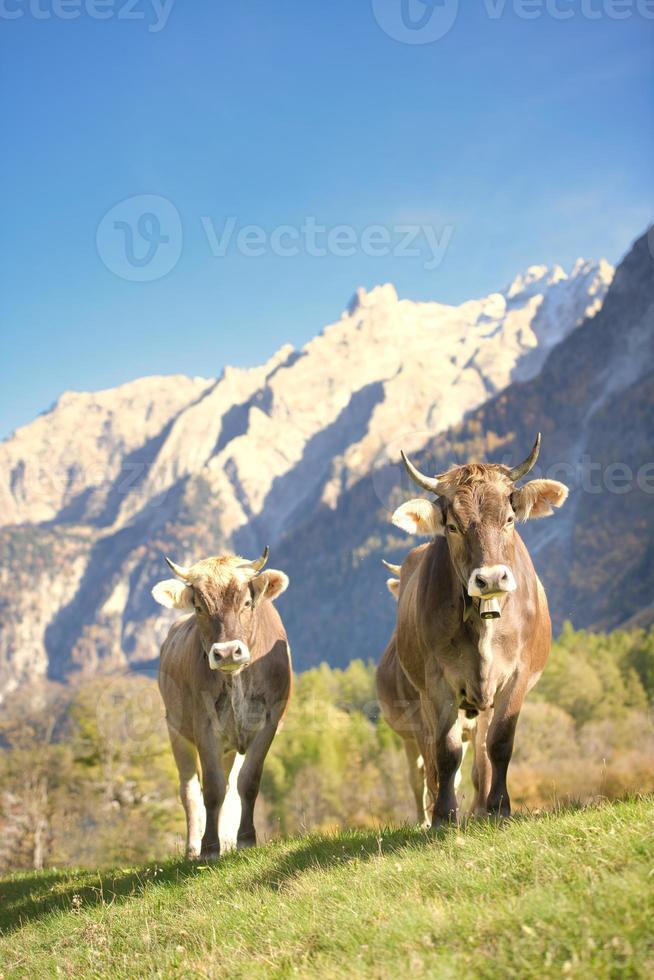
x,y
225,679
451,675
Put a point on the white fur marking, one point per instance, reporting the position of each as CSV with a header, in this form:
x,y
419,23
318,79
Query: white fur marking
x,y
486,641
457,778
486,635
196,816
229,819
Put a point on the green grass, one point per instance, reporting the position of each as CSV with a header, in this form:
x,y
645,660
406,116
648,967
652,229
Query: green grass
x,y
566,893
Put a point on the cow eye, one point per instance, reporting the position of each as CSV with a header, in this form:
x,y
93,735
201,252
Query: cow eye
x,y
247,604
452,528
510,521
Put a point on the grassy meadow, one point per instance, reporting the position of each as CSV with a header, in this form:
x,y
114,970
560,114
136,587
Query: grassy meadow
x,y
92,883
561,893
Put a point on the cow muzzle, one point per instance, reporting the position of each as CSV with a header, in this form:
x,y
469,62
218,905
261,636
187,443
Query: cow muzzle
x,y
229,657
488,584
491,582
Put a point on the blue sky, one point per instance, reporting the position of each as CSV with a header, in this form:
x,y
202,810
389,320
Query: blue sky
x,y
517,140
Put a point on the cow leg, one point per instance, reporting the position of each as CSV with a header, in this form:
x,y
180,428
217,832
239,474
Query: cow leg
x,y
430,780
499,742
214,786
442,723
449,753
230,812
186,759
249,780
481,766
500,750
417,779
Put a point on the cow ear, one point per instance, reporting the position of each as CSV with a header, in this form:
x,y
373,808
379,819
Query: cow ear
x,y
269,584
173,594
538,498
419,516
393,586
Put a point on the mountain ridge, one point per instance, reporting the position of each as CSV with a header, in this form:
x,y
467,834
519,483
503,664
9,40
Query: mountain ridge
x,y
594,556
199,465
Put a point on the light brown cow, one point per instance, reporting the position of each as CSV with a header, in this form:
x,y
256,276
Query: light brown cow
x,y
449,675
225,679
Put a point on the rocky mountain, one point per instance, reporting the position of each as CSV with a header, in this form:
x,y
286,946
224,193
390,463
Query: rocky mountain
x,y
94,490
593,401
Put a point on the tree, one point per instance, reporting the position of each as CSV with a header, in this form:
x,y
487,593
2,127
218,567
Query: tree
x,y
35,769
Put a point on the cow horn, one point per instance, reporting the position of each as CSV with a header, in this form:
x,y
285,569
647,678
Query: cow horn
x,y
431,483
258,563
179,570
395,569
518,472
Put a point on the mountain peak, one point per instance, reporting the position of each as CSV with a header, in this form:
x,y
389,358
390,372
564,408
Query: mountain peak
x,y
280,356
383,295
537,278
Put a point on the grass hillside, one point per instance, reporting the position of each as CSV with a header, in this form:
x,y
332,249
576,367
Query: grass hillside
x,y
568,892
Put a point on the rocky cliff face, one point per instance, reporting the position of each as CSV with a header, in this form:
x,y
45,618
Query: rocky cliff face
x,y
593,400
94,490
